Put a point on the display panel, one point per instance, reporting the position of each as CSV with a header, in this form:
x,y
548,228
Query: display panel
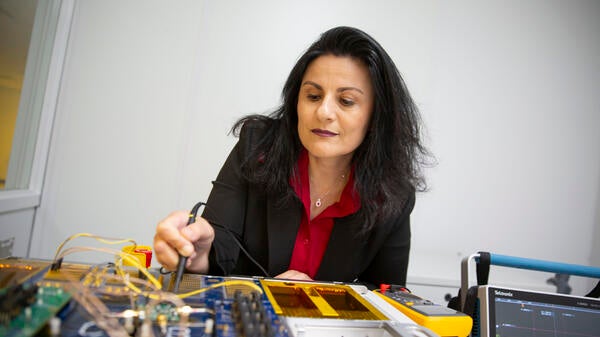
x,y
516,313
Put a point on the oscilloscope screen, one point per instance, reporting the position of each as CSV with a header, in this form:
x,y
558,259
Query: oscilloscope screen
x,y
520,318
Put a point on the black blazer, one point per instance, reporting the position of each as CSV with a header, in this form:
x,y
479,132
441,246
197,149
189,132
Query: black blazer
x,y
268,230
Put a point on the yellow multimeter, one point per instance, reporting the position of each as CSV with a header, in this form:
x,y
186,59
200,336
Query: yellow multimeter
x,y
441,320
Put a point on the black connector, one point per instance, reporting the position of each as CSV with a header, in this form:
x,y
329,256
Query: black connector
x,y
56,264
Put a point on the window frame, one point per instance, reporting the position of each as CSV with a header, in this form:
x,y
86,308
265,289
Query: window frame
x,y
37,105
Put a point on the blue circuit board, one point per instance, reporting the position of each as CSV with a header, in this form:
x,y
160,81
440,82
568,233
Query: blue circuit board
x,y
242,314
207,305
229,312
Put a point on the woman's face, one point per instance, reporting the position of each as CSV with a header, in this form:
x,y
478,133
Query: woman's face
x,y
335,104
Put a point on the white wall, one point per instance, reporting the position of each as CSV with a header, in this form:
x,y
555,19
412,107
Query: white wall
x,y
508,91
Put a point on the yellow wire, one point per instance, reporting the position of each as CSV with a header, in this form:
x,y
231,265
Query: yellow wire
x,y
110,241
134,261
123,256
223,284
118,265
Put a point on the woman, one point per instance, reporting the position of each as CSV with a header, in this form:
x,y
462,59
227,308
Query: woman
x,y
322,188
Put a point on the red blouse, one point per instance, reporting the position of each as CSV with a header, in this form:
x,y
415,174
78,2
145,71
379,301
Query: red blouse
x,y
313,235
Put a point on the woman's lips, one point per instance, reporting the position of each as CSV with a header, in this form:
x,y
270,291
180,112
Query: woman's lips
x,y
323,133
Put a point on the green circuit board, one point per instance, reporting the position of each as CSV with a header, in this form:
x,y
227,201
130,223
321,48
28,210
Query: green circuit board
x,y
49,300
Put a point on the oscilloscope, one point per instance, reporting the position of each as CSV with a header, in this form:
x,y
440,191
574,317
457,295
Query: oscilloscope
x,y
515,312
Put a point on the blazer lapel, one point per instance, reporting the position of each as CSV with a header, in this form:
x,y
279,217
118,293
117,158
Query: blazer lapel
x,y
282,227
341,261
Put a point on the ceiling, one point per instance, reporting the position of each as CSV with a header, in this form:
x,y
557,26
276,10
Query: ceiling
x,y
16,23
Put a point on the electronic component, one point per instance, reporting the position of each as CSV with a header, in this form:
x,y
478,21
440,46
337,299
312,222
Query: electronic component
x,y
250,315
441,320
17,288
319,300
26,305
48,301
109,299
239,310
143,254
508,311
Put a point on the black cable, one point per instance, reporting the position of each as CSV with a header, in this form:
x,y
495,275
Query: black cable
x,y
237,242
241,246
183,259
595,292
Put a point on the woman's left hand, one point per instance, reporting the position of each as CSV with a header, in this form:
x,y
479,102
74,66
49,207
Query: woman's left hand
x,y
294,275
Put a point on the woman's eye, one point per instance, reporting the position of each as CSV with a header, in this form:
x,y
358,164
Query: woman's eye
x,y
312,97
346,102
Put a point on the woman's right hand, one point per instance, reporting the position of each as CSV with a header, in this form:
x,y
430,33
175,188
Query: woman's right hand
x,y
173,237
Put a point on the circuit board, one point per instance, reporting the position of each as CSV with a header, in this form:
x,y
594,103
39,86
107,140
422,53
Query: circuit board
x,y
108,299
26,303
47,303
90,301
307,299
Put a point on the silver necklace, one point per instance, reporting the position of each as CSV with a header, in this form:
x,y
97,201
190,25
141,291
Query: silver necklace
x,y
318,202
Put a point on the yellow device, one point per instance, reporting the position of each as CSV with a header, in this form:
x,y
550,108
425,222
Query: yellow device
x,y
318,300
441,320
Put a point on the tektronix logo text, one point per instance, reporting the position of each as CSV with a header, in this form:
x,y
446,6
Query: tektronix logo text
x,y
503,293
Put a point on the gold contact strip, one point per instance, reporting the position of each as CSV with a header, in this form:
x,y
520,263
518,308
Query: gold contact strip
x,y
324,307
276,308
315,294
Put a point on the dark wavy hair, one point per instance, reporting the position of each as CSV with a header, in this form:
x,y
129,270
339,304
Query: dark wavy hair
x,y
389,160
